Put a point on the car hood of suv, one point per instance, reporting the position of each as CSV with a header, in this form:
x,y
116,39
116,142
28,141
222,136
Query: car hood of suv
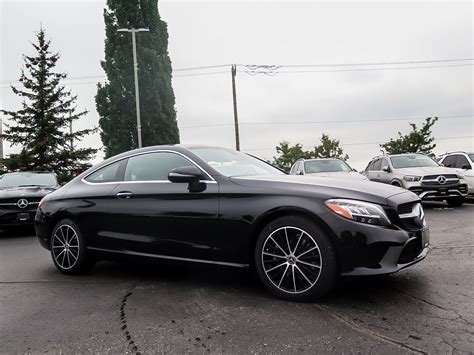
x,y
25,192
325,187
427,170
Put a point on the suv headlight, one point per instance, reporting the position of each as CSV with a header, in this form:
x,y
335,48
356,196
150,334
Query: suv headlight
x,y
359,211
411,178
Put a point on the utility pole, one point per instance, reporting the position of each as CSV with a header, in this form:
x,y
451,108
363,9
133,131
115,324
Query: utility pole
x,y
70,132
1,139
135,73
233,71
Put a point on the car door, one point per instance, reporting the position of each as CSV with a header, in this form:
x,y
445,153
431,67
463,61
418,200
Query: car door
x,y
384,176
374,170
156,216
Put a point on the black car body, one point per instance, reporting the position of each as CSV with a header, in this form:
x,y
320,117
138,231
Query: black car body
x,y
220,216
20,194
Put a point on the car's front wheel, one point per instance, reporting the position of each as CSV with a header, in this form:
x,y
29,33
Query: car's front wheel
x,y
295,259
455,201
68,248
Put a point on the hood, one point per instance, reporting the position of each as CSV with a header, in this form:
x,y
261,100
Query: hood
x,y
340,174
427,170
25,192
326,187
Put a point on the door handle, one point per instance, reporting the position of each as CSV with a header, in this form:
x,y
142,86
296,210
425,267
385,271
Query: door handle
x,y
124,194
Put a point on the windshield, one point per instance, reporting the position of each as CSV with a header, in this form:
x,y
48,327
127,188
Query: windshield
x,y
412,161
27,179
323,166
229,162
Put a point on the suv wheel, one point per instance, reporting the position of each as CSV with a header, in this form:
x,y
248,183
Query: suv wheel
x,y
455,201
68,248
295,260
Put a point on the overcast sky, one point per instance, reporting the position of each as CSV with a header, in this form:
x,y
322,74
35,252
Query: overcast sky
x,y
212,33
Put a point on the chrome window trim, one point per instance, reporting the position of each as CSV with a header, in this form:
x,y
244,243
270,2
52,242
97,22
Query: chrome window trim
x,y
211,181
158,256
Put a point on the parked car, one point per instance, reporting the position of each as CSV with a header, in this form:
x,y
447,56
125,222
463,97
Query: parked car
x,y
219,206
20,193
332,167
419,174
464,163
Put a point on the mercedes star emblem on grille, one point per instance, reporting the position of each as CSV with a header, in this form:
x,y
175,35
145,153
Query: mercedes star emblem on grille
x,y
22,203
441,180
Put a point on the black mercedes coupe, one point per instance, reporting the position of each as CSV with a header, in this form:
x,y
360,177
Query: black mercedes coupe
x,y
20,194
219,206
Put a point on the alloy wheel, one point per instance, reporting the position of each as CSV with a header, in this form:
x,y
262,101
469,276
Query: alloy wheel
x,y
65,246
291,259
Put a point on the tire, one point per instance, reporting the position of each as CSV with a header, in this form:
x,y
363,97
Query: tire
x,y
455,201
308,271
68,249
397,184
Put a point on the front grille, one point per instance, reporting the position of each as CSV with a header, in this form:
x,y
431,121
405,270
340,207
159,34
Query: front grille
x,y
433,177
411,216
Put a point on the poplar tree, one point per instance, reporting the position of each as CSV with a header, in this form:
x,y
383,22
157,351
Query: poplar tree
x,y
41,126
115,100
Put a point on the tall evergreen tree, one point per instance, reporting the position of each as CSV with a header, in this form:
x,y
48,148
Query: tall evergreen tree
x,y
41,126
115,100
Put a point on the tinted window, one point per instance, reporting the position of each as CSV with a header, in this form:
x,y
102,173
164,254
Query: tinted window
x,y
153,166
471,156
377,165
27,179
412,161
108,173
321,166
450,161
461,160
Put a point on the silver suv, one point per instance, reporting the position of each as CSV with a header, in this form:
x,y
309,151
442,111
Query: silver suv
x,y
330,167
420,174
463,162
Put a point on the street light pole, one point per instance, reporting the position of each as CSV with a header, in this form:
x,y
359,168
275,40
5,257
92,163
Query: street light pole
x,y
135,73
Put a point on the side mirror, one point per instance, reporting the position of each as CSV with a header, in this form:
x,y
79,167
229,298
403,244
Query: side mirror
x,y
466,167
299,173
386,169
187,174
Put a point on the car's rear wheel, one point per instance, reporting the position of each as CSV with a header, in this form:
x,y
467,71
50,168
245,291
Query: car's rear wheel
x,y
68,248
295,259
455,201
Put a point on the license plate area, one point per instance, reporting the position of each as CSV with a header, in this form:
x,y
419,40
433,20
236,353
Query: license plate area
x,y
23,216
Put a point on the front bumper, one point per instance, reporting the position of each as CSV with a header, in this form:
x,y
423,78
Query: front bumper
x,y
440,192
17,217
373,250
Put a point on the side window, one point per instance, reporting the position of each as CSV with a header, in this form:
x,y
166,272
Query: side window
x,y
293,168
377,165
383,162
450,161
109,173
153,166
461,160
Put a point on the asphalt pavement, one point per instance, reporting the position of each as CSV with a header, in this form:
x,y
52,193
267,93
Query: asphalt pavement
x,y
169,308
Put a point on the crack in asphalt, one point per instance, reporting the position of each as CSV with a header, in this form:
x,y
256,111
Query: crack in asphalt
x,y
369,332
123,321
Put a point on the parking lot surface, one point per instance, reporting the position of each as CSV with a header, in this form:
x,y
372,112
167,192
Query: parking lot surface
x,y
125,307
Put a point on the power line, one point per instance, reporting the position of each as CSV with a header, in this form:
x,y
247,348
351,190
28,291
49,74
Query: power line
x,y
325,122
289,66
358,143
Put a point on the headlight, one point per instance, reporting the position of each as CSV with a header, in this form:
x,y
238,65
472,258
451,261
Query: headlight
x,y
359,211
411,178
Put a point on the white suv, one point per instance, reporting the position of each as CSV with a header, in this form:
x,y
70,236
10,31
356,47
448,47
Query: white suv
x,y
421,175
464,163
